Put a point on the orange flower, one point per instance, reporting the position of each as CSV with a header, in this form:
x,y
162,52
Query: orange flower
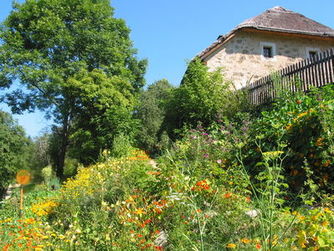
x,y
157,210
148,221
145,223
258,246
227,195
6,247
23,177
148,245
29,243
327,163
201,185
160,203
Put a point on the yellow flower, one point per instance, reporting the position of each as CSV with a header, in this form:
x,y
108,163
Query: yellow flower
x,y
301,218
44,208
300,115
231,245
295,213
246,241
327,210
288,127
272,155
302,239
139,211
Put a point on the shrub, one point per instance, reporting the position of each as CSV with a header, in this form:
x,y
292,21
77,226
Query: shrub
x,y
203,97
301,126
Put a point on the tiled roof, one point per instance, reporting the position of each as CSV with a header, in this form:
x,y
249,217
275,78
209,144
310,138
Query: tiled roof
x,y
281,19
277,19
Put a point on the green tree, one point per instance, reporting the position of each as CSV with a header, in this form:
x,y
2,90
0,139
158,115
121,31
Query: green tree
x,y
105,112
51,45
40,155
151,112
203,97
14,150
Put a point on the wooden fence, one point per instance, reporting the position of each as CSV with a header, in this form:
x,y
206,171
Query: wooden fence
x,y
315,72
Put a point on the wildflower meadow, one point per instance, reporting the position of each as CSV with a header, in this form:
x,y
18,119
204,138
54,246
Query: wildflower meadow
x,y
262,181
126,166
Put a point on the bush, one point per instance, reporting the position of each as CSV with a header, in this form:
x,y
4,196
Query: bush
x,y
301,126
203,97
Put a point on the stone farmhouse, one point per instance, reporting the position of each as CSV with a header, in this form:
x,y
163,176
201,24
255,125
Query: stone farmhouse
x,y
263,44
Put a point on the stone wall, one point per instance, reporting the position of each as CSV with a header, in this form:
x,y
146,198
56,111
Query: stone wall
x,y
242,61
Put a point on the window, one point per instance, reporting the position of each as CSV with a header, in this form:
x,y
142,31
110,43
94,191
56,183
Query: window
x,y
312,54
267,52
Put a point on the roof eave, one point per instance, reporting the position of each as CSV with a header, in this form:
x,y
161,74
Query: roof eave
x,y
215,46
205,54
297,32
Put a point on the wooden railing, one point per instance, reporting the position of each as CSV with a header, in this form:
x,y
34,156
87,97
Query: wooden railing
x,y
315,72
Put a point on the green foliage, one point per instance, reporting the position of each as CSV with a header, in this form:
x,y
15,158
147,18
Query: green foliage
x,y
71,56
203,97
301,126
151,113
49,178
313,228
40,156
14,152
206,193
122,147
105,112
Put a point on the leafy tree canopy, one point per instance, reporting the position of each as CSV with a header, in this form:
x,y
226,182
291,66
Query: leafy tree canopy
x,y
151,112
57,49
14,149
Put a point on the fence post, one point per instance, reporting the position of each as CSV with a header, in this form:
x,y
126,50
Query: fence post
x,y
317,72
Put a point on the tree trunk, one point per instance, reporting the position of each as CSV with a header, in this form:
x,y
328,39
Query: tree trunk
x,y
63,144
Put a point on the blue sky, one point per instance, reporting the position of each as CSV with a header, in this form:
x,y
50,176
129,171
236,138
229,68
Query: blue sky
x,y
170,33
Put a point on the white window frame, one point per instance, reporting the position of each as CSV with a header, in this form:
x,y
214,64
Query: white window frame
x,y
309,49
273,50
